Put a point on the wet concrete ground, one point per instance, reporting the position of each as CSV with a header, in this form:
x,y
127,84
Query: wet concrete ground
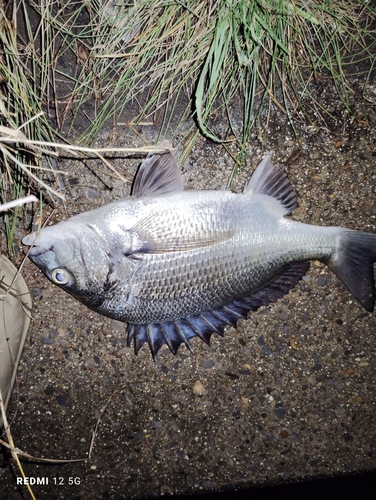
x,y
287,396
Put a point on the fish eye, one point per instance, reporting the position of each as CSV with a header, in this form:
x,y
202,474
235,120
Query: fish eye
x,y
60,277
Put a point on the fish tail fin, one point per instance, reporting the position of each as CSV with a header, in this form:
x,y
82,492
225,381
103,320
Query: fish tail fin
x,y
353,263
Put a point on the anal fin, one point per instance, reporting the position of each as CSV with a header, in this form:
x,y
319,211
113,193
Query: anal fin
x,y
176,332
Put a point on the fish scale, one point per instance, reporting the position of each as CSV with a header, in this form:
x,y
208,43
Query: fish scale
x,y
177,264
240,271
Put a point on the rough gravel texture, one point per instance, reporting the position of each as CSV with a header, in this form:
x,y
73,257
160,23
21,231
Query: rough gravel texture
x,y
287,396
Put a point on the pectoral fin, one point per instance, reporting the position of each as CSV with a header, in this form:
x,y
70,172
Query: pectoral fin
x,y
146,239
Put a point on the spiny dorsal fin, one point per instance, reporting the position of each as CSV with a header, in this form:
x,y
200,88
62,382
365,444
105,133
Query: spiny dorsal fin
x,y
159,174
275,183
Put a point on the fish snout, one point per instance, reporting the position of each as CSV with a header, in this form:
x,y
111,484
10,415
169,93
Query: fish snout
x,y
29,239
32,239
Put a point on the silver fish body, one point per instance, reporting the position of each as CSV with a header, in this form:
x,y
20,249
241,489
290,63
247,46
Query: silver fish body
x,y
174,264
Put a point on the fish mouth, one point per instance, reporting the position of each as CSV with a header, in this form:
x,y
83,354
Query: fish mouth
x,y
30,240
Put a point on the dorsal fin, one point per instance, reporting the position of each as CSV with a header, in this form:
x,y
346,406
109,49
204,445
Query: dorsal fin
x,y
159,174
275,183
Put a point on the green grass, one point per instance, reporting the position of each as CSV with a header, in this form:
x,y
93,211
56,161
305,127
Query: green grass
x,y
212,52
92,62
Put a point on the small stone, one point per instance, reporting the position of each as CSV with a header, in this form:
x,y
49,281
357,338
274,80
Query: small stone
x,y
50,389
46,340
37,291
348,438
320,280
198,388
170,445
261,340
92,193
280,412
117,326
363,363
208,364
61,400
293,345
283,315
339,412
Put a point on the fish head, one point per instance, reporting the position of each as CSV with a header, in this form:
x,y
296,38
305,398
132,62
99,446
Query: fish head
x,y
75,258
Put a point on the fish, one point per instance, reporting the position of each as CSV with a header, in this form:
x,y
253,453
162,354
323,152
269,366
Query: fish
x,y
175,264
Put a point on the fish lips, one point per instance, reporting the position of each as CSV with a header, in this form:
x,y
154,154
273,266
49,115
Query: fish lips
x,y
31,240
